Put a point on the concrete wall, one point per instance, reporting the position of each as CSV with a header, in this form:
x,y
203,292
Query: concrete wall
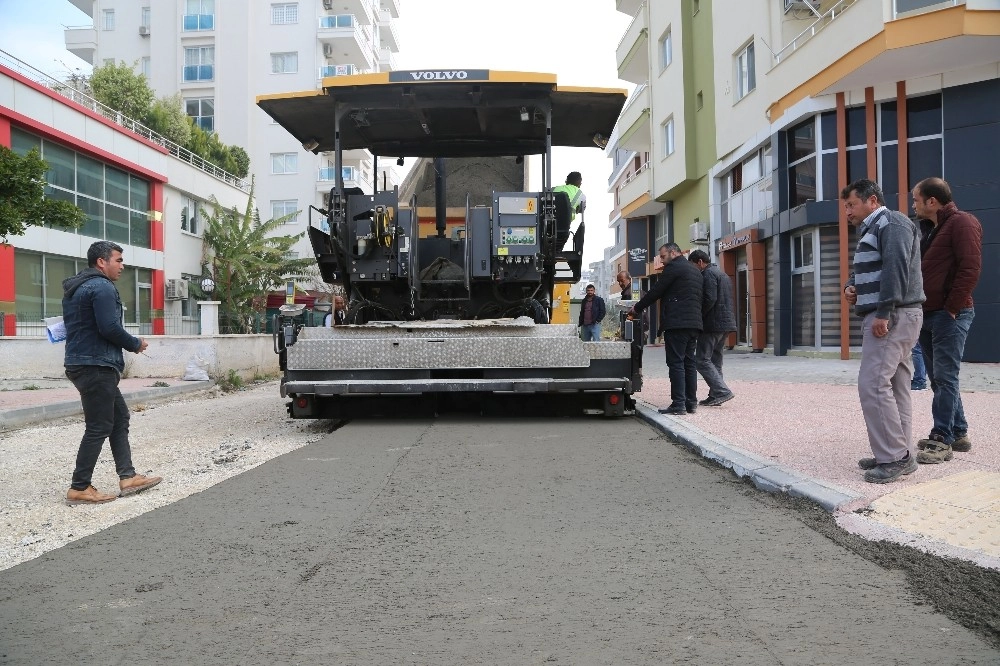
x,y
248,355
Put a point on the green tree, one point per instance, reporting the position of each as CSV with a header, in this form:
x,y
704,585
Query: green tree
x,y
247,262
22,196
123,89
166,117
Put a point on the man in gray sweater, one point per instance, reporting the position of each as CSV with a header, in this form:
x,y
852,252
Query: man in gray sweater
x,y
886,288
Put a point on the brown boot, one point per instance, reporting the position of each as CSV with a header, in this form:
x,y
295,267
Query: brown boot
x,y
137,484
89,496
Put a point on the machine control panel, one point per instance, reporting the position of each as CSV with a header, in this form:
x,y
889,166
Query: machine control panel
x,y
517,236
515,226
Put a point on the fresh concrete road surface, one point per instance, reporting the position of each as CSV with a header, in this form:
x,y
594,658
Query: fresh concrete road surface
x,y
455,541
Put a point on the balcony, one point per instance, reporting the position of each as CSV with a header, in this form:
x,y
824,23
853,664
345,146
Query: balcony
x,y
81,41
387,32
635,195
386,60
337,70
352,178
361,9
198,73
633,50
629,7
634,124
190,22
345,40
392,6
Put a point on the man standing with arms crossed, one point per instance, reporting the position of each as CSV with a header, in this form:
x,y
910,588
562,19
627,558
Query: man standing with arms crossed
x,y
719,320
952,263
95,337
887,290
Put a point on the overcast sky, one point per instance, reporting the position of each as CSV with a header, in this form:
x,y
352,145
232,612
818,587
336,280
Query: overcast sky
x,y
573,39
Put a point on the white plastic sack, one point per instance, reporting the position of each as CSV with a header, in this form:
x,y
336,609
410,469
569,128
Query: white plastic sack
x,y
197,370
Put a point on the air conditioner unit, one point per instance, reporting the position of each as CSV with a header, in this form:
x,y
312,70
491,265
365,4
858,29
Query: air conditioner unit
x,y
812,5
327,4
177,290
699,232
144,30
328,50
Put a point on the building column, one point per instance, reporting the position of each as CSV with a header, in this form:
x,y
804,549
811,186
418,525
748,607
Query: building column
x,y
7,303
757,288
845,322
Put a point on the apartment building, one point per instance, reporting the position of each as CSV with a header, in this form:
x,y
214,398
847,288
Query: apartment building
x,y
221,54
137,189
664,143
893,90
803,97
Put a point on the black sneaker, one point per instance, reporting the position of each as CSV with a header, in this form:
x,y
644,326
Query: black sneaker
x,y
692,407
706,400
715,402
867,463
673,409
889,472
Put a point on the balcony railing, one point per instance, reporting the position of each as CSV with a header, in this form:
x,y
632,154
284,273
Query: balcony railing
x,y
84,100
199,72
338,21
337,70
814,28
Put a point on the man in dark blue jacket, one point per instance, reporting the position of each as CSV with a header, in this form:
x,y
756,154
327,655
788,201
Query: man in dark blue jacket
x,y
592,311
95,338
679,290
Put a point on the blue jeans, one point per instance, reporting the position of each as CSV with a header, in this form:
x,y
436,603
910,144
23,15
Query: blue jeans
x,y
590,332
106,416
943,340
919,369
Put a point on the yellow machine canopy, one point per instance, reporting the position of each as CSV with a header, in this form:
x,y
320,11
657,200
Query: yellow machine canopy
x,y
446,113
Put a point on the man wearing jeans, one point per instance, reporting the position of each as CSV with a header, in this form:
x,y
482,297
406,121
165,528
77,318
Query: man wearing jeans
x,y
886,289
952,261
592,311
95,337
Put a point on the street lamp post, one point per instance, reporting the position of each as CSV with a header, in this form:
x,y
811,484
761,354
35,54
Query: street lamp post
x,y
209,308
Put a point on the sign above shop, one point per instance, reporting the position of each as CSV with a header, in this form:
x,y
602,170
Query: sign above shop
x,y
739,239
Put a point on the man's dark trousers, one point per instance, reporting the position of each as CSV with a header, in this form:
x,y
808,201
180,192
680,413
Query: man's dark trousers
x,y
943,340
106,416
680,345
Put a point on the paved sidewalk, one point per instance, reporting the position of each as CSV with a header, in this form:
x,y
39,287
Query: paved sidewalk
x,y
27,401
796,426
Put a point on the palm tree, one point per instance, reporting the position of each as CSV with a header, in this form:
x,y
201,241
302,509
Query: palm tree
x,y
246,261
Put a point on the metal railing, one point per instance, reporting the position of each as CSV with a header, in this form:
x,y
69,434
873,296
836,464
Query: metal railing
x,y
815,27
84,100
31,324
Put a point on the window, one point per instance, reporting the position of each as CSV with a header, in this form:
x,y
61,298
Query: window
x,y
202,111
190,216
144,19
284,13
668,137
115,203
199,63
339,21
746,78
666,50
804,290
284,63
285,207
199,15
145,66
802,163
109,19
699,101
284,163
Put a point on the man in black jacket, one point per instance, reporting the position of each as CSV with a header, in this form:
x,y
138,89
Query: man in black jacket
x,y
718,321
679,290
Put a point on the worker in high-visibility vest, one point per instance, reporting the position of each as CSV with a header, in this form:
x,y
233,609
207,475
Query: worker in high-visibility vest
x,y
577,199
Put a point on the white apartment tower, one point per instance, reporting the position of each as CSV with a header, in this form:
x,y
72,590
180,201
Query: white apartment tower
x,y
221,54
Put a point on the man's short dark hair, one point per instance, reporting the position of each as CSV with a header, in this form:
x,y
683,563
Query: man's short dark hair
x,y
670,247
590,286
101,250
574,178
935,187
865,189
699,255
